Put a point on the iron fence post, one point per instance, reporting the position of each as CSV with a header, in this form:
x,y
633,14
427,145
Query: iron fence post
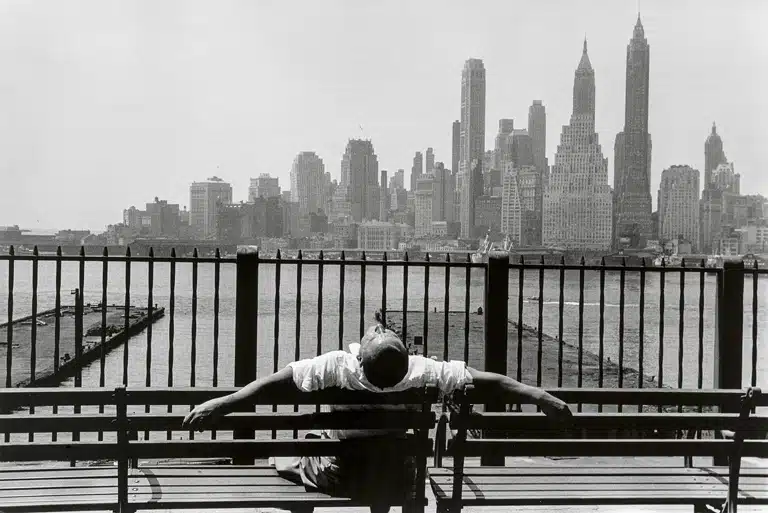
x,y
496,317
246,299
729,322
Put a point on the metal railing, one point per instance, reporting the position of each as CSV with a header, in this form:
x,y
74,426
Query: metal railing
x,y
257,287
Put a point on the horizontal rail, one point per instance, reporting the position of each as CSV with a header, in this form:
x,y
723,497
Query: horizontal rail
x,y
59,451
12,398
613,421
610,447
644,396
197,395
265,448
57,423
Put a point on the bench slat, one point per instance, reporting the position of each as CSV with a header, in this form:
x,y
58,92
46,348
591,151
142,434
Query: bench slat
x,y
391,419
609,447
58,451
197,395
12,398
60,423
264,448
612,421
612,470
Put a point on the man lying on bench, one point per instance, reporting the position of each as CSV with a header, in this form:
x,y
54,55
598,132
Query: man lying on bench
x,y
380,363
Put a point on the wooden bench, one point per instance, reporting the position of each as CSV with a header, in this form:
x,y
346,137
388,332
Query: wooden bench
x,y
606,435
131,482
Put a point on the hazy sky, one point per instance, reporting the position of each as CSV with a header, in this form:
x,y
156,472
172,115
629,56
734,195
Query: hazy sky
x,y
106,104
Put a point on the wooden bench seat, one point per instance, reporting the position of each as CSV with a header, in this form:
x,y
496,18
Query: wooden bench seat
x,y
605,435
125,486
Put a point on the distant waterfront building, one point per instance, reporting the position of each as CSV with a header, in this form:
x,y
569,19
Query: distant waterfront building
x,y
378,235
537,129
725,179
632,151
204,201
722,208
308,183
360,175
713,155
417,169
530,191
398,180
577,198
455,146
511,208
265,186
502,147
430,162
472,141
423,205
679,205
488,214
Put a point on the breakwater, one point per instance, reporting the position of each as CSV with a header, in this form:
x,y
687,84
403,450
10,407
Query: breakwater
x,y
55,357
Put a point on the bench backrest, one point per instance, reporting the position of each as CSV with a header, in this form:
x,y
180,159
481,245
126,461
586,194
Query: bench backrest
x,y
97,423
546,440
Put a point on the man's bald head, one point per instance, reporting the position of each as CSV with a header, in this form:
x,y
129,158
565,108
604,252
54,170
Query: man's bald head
x,y
384,357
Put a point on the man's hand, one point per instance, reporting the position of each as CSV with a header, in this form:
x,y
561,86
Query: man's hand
x,y
203,415
557,410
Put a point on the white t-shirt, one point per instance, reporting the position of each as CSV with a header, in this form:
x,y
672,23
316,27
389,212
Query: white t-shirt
x,y
342,369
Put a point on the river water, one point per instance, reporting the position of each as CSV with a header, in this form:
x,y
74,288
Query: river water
x,y
310,304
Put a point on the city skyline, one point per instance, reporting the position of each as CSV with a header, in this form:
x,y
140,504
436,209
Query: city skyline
x,y
71,121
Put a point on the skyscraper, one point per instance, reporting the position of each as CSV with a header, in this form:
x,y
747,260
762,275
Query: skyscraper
x,y
265,186
679,204
417,169
455,146
360,175
537,129
713,156
632,158
502,144
430,166
472,144
205,198
308,183
577,198
383,197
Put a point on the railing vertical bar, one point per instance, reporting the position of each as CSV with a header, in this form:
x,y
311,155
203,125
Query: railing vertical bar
x,y
9,330
216,286
320,275
193,334
540,349
622,285
297,346
362,295
467,276
446,307
103,348
384,290
560,305
681,330
405,300
57,331
171,324
520,298
276,347
755,277
660,376
581,326
700,381
79,335
342,271
33,334
641,333
601,332
127,312
426,308
150,317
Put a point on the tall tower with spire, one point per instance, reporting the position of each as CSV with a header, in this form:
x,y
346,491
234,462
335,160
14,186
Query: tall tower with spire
x,y
632,151
577,198
713,155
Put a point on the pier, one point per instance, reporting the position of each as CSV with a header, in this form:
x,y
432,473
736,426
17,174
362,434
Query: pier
x,y
50,370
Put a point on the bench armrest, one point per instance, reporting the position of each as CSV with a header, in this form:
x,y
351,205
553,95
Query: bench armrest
x,y
747,403
441,440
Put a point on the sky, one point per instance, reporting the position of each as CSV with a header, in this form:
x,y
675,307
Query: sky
x,y
105,104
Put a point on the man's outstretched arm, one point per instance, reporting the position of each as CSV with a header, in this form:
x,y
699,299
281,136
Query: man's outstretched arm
x,y
276,384
496,386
